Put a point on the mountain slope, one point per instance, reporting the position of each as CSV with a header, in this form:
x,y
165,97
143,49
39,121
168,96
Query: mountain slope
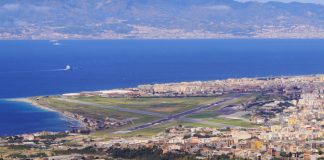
x,y
111,19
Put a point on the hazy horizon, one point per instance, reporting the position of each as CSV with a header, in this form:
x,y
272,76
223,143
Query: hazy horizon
x,y
159,19
287,1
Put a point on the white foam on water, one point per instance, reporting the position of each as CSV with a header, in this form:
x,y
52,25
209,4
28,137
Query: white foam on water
x,y
35,71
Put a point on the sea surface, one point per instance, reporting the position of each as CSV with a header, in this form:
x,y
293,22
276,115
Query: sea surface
x,y
20,117
30,68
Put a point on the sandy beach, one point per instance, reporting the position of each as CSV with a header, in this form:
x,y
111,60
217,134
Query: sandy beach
x,y
32,102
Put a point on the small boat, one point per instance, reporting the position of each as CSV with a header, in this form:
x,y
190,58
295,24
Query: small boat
x,y
68,67
56,44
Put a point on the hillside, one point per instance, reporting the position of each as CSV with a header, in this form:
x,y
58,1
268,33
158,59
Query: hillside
x,y
114,19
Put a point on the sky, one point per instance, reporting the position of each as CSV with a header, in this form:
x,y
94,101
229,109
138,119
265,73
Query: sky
x,y
303,1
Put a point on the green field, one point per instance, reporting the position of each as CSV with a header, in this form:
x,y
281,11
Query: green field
x,y
152,131
213,112
147,132
158,105
166,106
91,111
231,122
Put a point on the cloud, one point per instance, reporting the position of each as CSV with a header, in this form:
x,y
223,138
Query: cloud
x,y
21,22
287,1
99,5
39,8
113,20
218,7
30,7
11,7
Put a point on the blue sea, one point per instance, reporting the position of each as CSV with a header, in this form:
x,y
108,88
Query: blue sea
x,y
30,68
20,117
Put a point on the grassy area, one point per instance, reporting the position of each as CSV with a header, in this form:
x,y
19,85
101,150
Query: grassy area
x,y
91,111
16,152
147,132
202,115
159,105
231,122
213,112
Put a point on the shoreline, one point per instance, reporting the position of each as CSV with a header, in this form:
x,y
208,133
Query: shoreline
x,y
70,120
33,103
22,99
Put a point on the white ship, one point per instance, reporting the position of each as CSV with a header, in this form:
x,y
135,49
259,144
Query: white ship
x,y
68,67
56,44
